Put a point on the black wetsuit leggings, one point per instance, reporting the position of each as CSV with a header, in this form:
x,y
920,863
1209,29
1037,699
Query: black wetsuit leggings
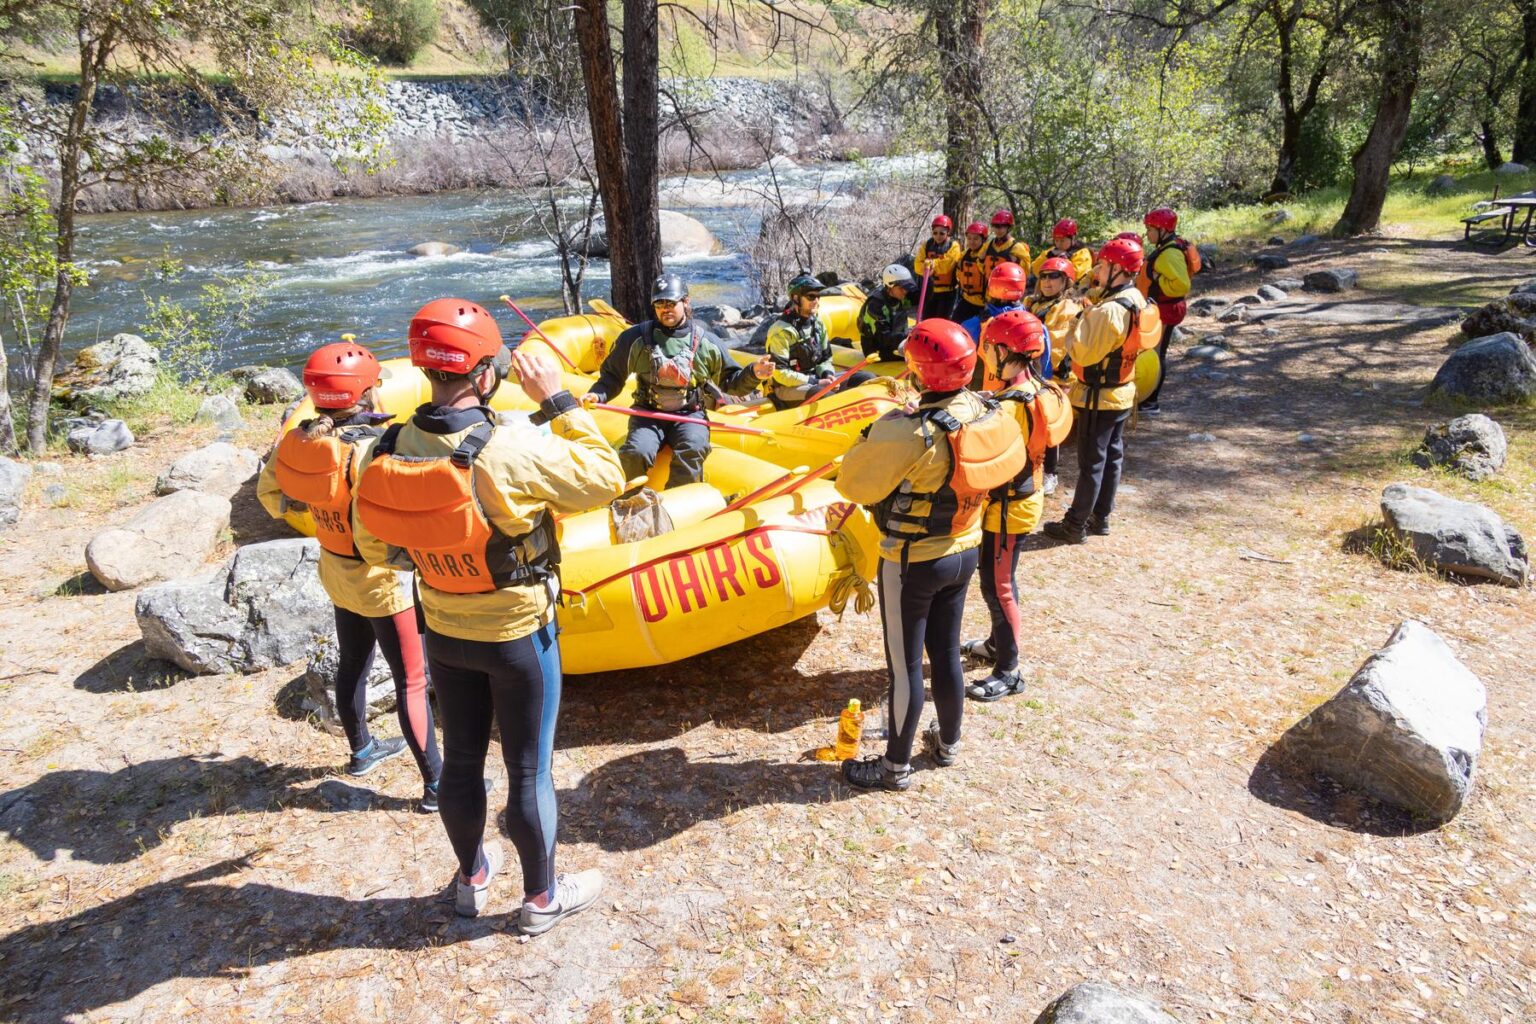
x,y
516,684
397,636
921,607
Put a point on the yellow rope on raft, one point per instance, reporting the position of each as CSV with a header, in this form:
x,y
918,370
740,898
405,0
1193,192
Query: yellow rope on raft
x,y
855,586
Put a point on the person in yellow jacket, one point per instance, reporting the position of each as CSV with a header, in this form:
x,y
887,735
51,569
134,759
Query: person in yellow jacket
x,y
467,503
1003,247
1052,302
908,468
1012,344
315,466
1165,280
1064,245
939,258
1103,389
971,275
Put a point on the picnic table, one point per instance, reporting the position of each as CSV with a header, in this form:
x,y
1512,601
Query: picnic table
x,y
1505,211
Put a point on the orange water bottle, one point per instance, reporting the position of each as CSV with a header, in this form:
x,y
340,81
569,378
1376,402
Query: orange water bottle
x,y
850,727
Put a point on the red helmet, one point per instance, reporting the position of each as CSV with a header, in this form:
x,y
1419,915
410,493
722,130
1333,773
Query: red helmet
x,y
976,227
941,355
1059,265
1006,282
1002,219
1017,330
453,335
943,221
1124,253
1065,228
1130,236
336,375
1163,217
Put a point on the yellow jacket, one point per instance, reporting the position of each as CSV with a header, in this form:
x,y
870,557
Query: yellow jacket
x,y
521,473
944,265
1170,268
352,585
1024,514
1061,316
1081,257
1104,328
1014,251
892,452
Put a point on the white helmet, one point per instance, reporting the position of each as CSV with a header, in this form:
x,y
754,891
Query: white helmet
x,y
897,276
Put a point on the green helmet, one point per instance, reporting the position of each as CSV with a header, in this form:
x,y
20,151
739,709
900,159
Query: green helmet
x,y
804,284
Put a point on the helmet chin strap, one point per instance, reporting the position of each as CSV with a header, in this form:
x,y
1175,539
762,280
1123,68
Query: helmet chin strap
x,y
501,363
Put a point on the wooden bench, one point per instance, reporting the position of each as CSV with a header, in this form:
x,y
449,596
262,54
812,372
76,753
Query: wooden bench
x,y
1506,228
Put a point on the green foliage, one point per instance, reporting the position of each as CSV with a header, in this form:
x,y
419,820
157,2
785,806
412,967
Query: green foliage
x,y
395,31
191,336
1322,158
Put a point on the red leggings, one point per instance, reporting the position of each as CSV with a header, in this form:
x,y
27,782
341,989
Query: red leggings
x,y
400,640
999,566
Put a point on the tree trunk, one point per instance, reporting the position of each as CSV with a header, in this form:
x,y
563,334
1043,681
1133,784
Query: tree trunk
x,y
7,422
93,54
642,122
1290,149
959,30
597,73
1399,60
1525,111
1488,136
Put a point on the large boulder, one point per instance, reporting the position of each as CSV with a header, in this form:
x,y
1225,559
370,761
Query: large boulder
x,y
1407,729
163,539
102,438
1510,167
1331,280
681,235
1442,185
320,684
1514,313
265,607
1093,1002
13,481
1206,306
274,386
219,468
1457,537
1473,446
433,249
123,366
219,411
1271,261
1271,293
1495,369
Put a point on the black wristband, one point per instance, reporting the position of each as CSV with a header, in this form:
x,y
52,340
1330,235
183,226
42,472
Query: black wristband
x,y
558,404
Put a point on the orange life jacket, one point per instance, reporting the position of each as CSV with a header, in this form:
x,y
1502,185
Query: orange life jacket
x,y
1010,253
1148,282
426,510
318,472
972,274
1119,367
1049,416
983,455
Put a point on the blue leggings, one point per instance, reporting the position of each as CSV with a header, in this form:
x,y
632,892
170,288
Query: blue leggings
x,y
516,683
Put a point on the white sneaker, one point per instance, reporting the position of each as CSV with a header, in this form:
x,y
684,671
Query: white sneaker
x,y
574,892
469,898
1052,481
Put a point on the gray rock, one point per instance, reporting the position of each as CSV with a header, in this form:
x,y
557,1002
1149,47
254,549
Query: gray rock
x,y
1473,446
1209,254
681,235
1093,1002
1499,368
265,607
1271,261
1276,216
1302,241
1271,332
715,315
121,367
1441,185
1331,280
48,468
1275,240
1290,284
163,539
274,386
1248,300
320,684
1510,168
1210,353
1457,537
245,374
220,411
1407,729
1528,288
1305,438
56,495
1206,306
1515,313
13,481
219,468
1270,293
106,437
433,249
1233,314
1201,438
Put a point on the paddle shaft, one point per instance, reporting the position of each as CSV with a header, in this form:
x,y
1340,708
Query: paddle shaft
x,y
922,296
729,428
835,381
542,336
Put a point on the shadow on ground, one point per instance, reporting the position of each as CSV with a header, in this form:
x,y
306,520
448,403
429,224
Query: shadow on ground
x,y
114,817
1278,780
182,928
130,669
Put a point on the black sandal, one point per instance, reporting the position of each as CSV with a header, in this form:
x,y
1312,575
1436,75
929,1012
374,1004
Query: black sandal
x,y
996,686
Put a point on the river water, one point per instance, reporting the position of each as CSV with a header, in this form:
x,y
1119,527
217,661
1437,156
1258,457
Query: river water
x,y
341,266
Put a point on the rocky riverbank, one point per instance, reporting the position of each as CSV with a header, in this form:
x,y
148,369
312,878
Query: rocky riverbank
x,y
454,133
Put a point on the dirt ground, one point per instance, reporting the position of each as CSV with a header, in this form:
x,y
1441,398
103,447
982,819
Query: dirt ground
x,y
187,848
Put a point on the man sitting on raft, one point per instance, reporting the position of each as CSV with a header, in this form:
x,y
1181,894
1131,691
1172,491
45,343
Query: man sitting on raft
x,y
673,361
800,351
